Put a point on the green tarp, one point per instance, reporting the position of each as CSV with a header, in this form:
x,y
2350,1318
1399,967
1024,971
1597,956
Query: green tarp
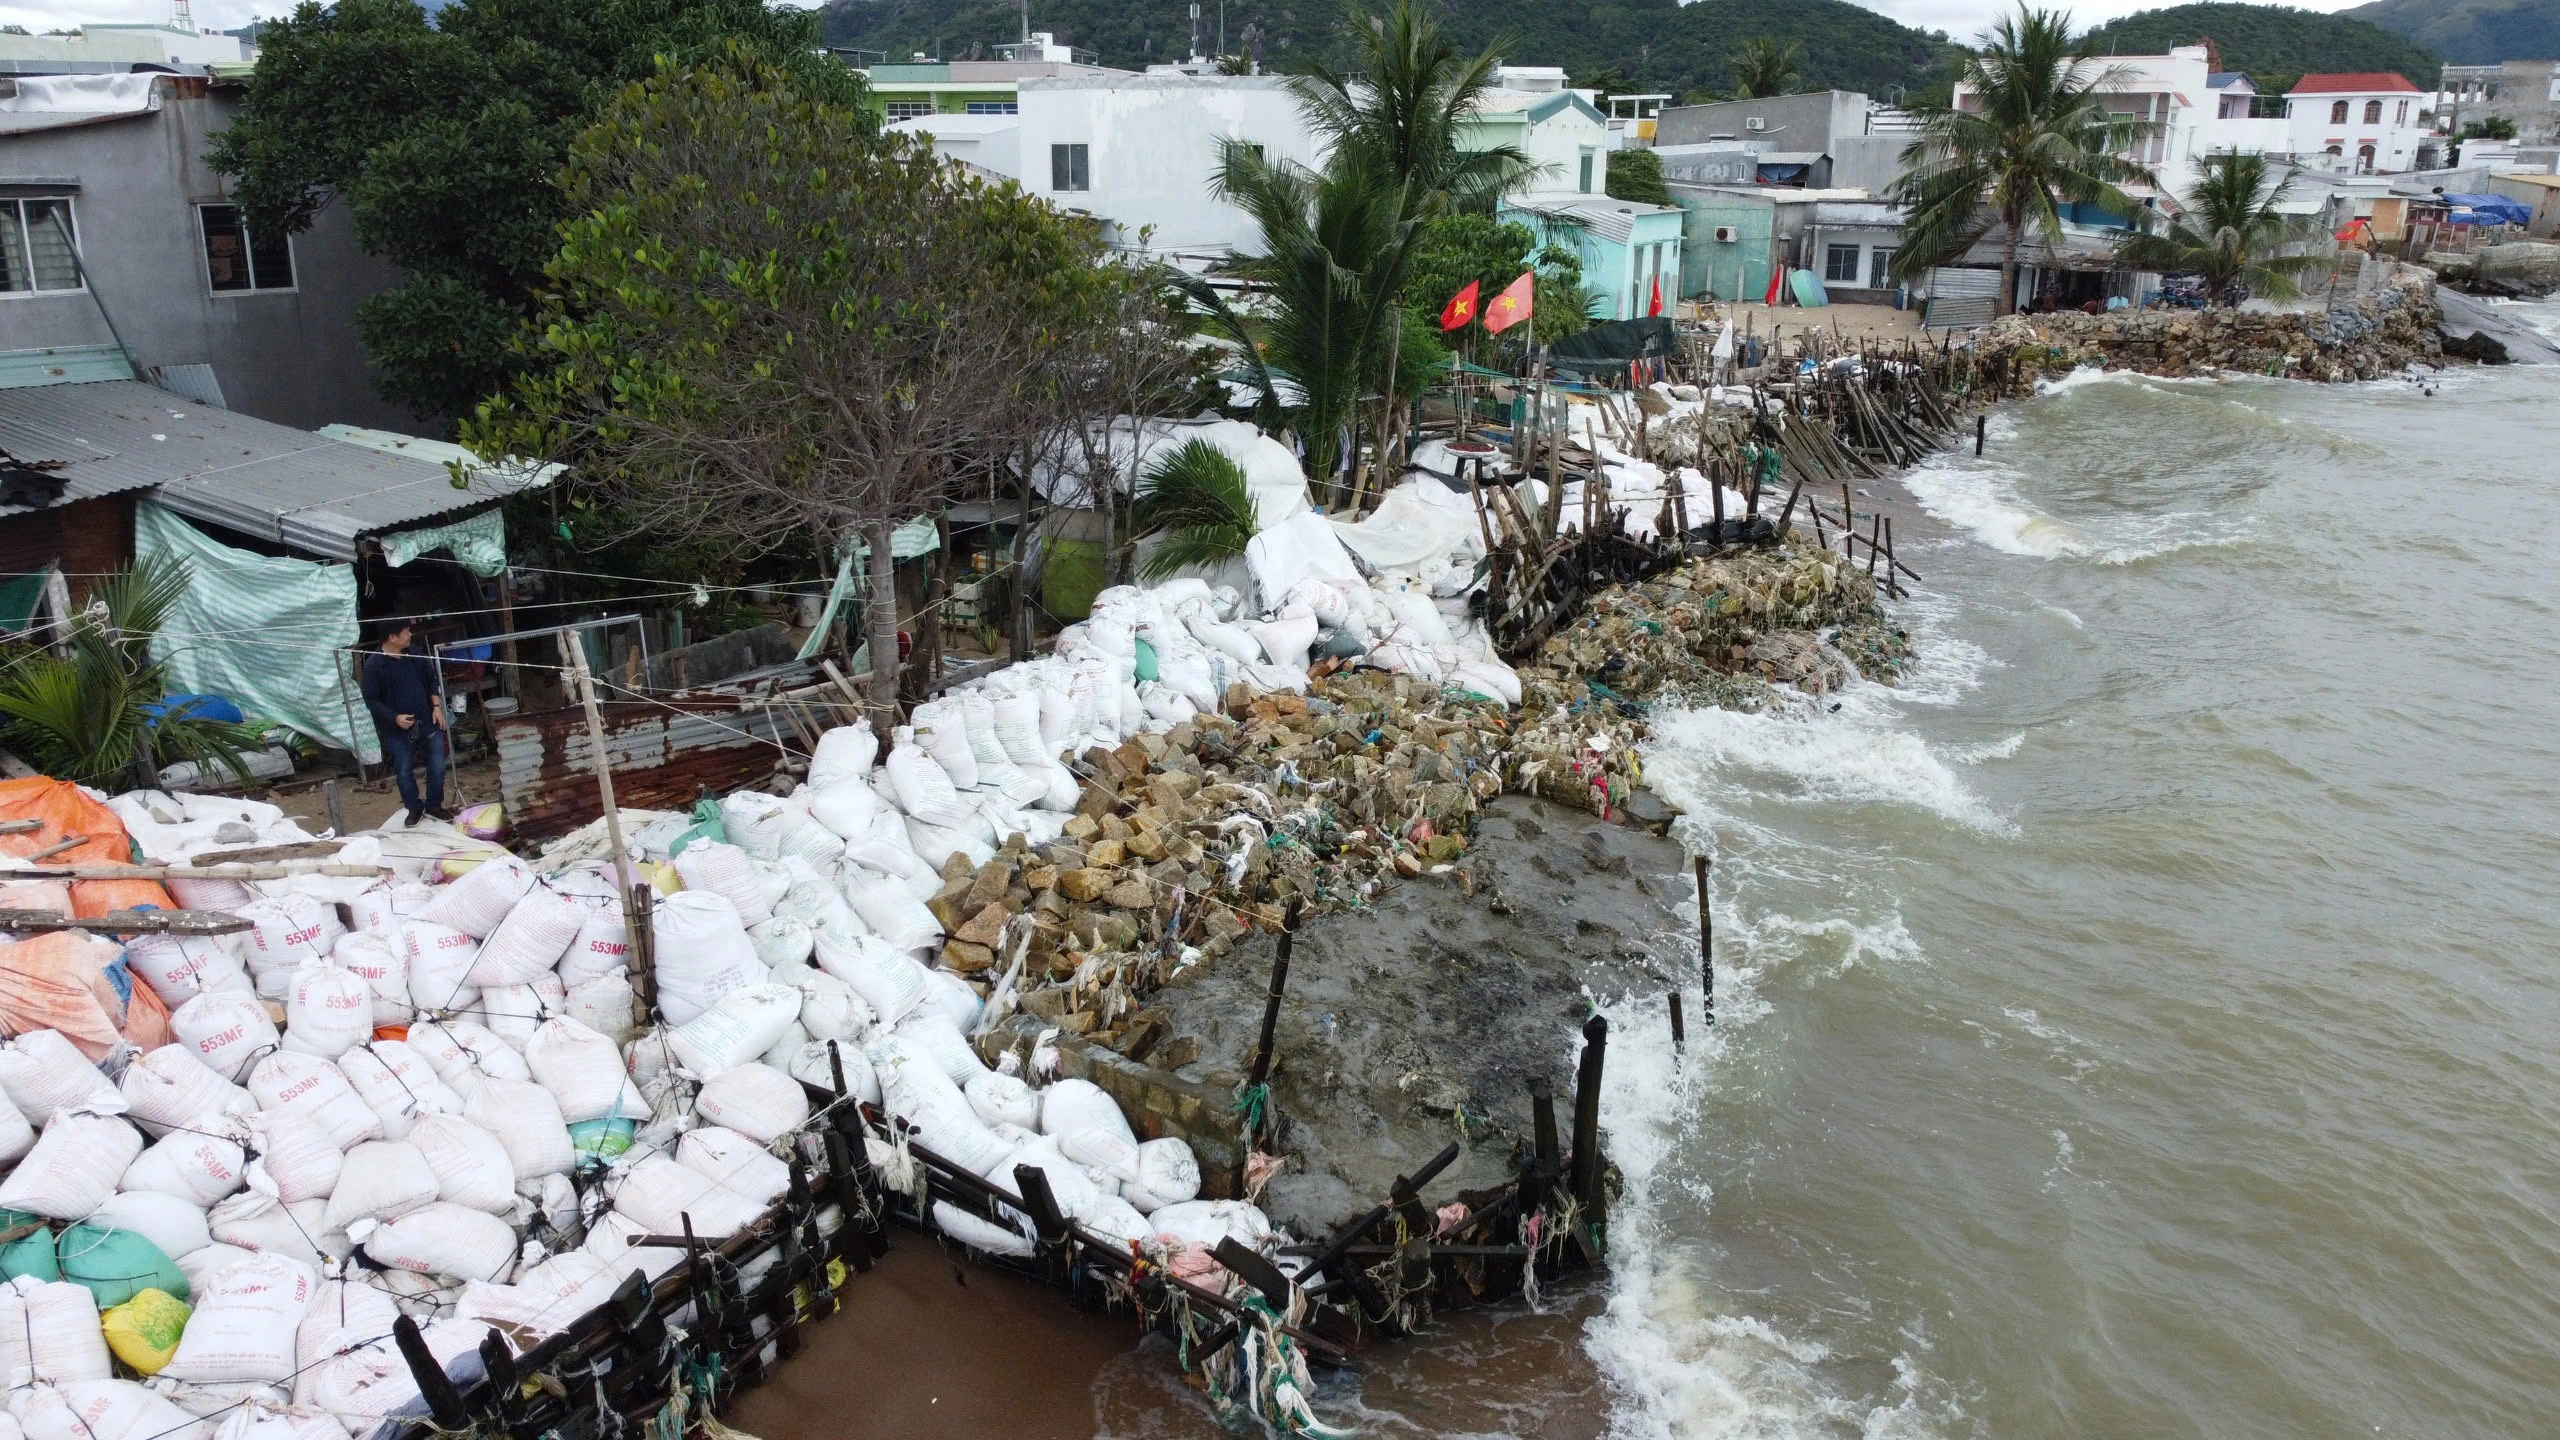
x,y
1613,345
19,597
919,536
269,633
478,544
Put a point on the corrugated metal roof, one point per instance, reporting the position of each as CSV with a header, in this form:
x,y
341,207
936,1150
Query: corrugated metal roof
x,y
1611,220
63,365
313,494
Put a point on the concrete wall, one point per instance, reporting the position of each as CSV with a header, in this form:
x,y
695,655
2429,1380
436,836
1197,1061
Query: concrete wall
x,y
1790,122
1866,162
291,357
1726,269
1152,146
1558,143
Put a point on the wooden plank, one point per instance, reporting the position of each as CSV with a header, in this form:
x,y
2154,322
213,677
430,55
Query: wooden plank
x,y
19,827
127,922
274,870
298,850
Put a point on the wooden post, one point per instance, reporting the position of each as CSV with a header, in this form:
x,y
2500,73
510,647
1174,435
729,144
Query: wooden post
x,y
1542,1120
640,914
1890,587
857,1158
444,1401
586,688
507,683
1586,1118
1981,431
1679,1034
1848,526
1706,944
1271,1006
337,812
1715,486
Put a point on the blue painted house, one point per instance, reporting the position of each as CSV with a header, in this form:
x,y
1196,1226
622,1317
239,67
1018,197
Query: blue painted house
x,y
1625,245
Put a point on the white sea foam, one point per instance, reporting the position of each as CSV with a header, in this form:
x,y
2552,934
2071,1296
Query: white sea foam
x,y
2000,749
1727,759
1981,498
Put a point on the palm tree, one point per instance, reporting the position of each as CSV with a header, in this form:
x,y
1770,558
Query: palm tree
x,y
1199,499
2230,233
2034,136
1403,110
90,715
1765,66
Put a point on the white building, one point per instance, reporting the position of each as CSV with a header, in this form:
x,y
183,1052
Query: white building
x,y
116,49
1137,152
1560,131
2192,110
2366,124
991,144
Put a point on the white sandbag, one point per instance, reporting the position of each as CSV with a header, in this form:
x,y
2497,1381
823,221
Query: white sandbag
x,y
583,1071
199,1168
661,1194
844,753
514,1012
888,981
265,1420
1001,1100
74,1165
374,911
1088,1125
885,851
941,732
440,960
610,1239
811,1064
255,1220
286,930
444,1239
545,1300
174,1223
366,1379
1287,637
308,1086
779,1053
328,1010
244,1323
1165,1173
936,844
977,1234
951,999
466,1055
471,1166
180,967
602,947
530,941
398,1085
1074,1188
891,910
226,1029
721,1154
771,828
1118,1219
101,1409
723,870
1206,1222
829,1007
703,953
783,941
604,1006
383,1179
755,1100
743,1025
845,807
812,898
49,1332
17,1136
925,790
527,1122
296,1159
382,964
170,1088
200,1266
935,1039
477,904
44,1075
916,1090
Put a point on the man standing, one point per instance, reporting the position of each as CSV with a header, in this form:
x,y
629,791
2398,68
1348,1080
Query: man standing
x,y
408,713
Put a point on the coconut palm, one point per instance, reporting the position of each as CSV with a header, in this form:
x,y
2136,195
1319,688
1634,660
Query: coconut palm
x,y
1765,66
2033,137
1199,500
93,715
2230,234
1403,108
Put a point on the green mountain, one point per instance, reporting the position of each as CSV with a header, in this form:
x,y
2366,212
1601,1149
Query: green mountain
x,y
2472,32
1652,44
2277,44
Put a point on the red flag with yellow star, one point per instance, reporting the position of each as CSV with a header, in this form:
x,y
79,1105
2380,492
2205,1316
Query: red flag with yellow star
x,y
1511,306
1460,309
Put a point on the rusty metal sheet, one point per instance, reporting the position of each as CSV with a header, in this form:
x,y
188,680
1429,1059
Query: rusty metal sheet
x,y
662,752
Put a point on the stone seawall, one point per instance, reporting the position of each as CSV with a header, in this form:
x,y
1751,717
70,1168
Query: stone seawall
x,y
2355,339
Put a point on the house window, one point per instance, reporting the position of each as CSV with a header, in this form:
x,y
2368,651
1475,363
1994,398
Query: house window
x,y
1070,167
236,260
1840,264
992,107
36,240
2364,158
1586,172
2373,112
2338,112
1880,268
2401,117
910,109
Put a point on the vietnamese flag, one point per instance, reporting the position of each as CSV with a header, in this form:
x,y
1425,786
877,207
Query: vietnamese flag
x,y
1511,306
1460,309
1657,296
1777,278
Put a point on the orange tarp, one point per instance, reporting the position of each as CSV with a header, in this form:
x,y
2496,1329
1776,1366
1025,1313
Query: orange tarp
x,y
66,812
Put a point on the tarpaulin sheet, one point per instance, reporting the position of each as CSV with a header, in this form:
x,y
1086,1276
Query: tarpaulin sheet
x,y
268,632
1414,528
2497,208
478,544
1612,345
65,810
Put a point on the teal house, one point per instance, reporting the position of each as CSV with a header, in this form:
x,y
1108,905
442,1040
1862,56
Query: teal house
x,y
1626,246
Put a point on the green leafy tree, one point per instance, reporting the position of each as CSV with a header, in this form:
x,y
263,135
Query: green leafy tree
x,y
1637,175
2232,234
765,321
1454,250
1198,502
444,139
1766,66
2036,137
2494,127
1398,116
85,715
1604,81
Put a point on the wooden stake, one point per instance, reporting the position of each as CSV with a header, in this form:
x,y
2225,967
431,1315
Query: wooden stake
x,y
1679,1036
1706,944
1586,1119
337,813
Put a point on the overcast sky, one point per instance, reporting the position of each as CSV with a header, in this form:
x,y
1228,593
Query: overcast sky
x,y
1959,18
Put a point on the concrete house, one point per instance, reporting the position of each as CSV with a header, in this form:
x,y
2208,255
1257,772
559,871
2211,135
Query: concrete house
x,y
1136,152
2365,123
1561,131
1625,246
913,89
1828,139
121,255
2526,92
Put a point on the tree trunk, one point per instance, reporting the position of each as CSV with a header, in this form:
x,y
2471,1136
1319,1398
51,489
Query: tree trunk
x,y
1018,628
880,610
2009,265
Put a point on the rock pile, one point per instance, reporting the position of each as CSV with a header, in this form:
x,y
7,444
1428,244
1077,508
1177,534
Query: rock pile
x,y
2359,339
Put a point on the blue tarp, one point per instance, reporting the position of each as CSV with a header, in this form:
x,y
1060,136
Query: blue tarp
x,y
2495,209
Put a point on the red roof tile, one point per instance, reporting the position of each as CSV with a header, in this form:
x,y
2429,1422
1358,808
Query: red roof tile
x,y
2360,83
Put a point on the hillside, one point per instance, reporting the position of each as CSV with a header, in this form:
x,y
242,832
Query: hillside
x,y
1656,44
2472,32
2276,43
